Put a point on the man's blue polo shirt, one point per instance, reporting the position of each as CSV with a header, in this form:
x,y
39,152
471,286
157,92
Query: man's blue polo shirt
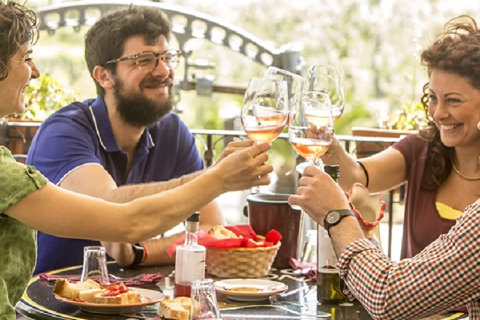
x,y
80,133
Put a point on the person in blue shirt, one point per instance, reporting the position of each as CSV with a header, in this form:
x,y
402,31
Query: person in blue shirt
x,y
29,202
127,136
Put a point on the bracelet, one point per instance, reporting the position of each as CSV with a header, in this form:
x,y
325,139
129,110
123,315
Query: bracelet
x,y
366,173
139,252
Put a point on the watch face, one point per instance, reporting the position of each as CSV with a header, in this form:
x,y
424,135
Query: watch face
x,y
333,217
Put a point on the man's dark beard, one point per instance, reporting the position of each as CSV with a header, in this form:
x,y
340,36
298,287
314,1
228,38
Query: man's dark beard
x,y
138,110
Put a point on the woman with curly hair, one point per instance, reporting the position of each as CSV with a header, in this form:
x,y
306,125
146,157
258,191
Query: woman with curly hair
x,y
28,201
441,164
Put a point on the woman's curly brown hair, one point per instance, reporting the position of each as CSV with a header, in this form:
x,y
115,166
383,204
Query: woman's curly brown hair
x,y
456,50
18,25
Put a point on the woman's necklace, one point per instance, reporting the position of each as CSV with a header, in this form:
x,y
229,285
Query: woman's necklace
x,y
461,174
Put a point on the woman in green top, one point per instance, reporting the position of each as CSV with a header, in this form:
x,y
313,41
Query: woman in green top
x,y
28,201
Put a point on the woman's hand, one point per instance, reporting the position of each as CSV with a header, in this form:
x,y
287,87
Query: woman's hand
x,y
334,153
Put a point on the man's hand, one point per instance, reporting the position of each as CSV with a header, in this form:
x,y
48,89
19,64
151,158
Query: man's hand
x,y
245,168
233,147
317,194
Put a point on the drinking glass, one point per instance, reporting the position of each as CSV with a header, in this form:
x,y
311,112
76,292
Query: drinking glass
x,y
95,265
204,300
294,84
330,80
265,109
311,126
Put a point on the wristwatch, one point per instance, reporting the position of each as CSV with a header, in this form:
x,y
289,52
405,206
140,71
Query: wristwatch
x,y
139,252
333,217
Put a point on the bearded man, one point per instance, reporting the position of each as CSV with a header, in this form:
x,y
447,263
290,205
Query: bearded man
x,y
120,145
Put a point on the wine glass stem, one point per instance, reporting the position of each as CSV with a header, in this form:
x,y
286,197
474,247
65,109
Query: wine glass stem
x,y
316,161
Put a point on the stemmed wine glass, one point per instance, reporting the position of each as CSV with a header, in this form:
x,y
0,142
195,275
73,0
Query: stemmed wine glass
x,y
330,80
264,110
294,82
311,126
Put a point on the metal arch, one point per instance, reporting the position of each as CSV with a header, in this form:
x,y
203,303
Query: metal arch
x,y
234,38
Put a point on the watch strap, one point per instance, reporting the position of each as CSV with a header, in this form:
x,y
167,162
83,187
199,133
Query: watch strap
x,y
342,214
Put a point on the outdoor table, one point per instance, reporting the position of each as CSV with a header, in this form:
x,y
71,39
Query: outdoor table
x,y
298,302
38,301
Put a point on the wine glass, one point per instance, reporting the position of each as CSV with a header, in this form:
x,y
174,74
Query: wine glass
x,y
328,79
311,126
294,84
264,110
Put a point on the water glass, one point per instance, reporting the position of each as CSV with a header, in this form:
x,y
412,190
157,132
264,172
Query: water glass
x,y
204,300
309,253
95,265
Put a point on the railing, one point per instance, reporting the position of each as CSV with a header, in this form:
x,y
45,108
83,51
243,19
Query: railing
x,y
186,25
206,138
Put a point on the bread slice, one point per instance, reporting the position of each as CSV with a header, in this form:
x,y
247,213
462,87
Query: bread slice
x,y
91,291
88,295
72,290
129,297
220,232
178,308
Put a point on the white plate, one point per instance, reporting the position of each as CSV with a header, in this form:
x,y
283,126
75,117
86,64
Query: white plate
x,y
147,297
249,289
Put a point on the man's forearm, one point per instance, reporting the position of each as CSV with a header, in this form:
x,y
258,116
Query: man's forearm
x,y
130,192
155,251
344,233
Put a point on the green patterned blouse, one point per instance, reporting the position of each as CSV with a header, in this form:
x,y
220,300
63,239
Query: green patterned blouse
x,y
17,240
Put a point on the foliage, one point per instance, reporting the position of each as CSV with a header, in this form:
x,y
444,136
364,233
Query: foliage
x,y
376,42
409,117
44,96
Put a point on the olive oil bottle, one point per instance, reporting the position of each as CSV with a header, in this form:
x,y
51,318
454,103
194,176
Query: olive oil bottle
x,y
328,280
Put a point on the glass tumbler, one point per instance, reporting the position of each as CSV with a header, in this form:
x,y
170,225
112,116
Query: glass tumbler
x,y
204,300
95,265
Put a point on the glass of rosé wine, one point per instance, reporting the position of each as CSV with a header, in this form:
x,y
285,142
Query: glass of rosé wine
x,y
265,109
330,80
294,84
311,126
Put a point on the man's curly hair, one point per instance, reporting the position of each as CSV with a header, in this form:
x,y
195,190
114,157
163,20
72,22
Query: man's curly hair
x,y
456,50
18,25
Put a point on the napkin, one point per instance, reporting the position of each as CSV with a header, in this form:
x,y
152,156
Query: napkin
x,y
244,232
143,280
308,268
369,208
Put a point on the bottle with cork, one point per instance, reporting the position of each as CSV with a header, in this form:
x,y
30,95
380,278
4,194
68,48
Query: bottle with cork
x,y
189,258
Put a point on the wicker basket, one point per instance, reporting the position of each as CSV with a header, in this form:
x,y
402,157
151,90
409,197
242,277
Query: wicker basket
x,y
241,262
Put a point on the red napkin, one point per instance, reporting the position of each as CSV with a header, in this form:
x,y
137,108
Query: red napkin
x,y
245,232
146,279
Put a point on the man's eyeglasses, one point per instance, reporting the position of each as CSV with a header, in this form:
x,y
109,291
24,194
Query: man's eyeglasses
x,y
148,60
